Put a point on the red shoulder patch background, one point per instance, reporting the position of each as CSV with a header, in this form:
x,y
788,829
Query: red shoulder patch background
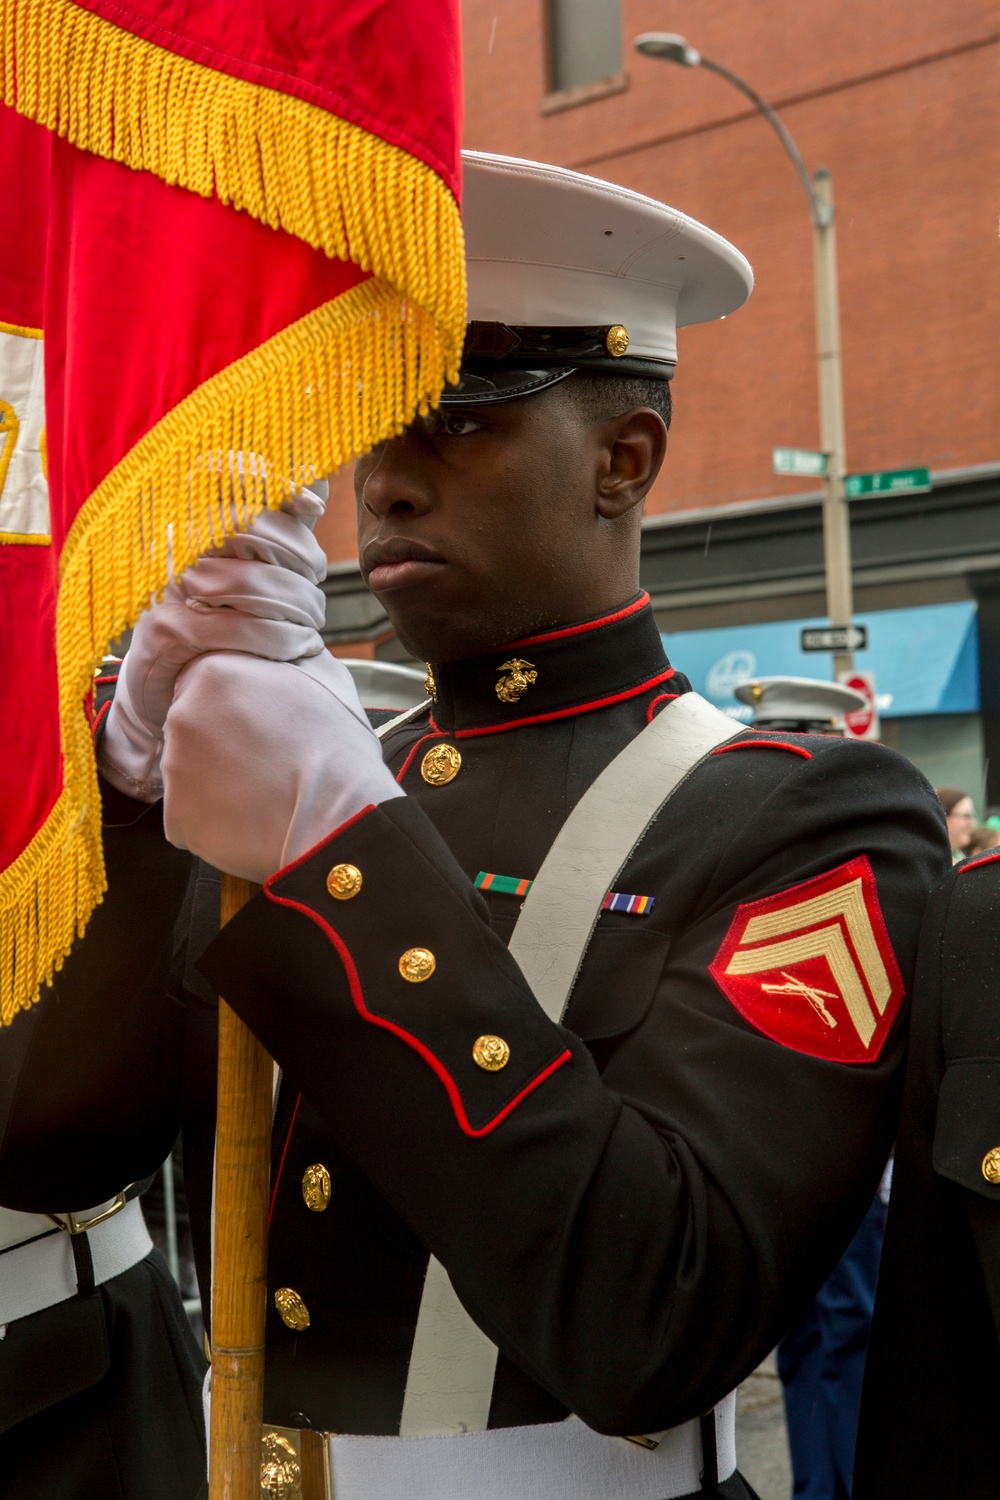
x,y
813,968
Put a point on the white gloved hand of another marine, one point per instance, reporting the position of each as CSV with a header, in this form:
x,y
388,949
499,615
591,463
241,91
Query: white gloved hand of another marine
x,y
258,593
263,759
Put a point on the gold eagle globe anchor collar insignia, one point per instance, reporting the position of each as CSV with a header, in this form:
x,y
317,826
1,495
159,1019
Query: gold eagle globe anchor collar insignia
x,y
520,676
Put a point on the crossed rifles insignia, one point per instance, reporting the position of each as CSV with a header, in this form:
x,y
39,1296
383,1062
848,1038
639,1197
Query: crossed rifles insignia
x,y
813,968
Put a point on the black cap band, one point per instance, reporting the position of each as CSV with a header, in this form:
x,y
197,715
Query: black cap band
x,y
501,362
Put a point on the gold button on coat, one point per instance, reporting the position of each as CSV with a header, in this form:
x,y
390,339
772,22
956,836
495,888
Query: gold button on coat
x,y
417,964
316,1187
291,1309
991,1166
441,764
343,882
491,1053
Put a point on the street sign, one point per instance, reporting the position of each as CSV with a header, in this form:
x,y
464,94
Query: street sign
x,y
834,638
864,724
889,482
802,461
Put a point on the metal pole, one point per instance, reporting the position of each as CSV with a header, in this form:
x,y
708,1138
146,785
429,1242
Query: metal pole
x,y
819,191
170,1218
836,516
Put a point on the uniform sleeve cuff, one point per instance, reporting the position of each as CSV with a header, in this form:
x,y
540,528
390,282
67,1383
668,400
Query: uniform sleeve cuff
x,y
421,961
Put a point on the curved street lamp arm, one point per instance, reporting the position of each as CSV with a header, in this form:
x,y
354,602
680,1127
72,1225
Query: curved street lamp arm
x,y
819,211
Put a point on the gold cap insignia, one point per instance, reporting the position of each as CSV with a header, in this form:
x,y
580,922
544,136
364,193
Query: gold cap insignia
x,y
417,964
280,1471
316,1187
343,882
756,692
291,1309
441,764
616,340
991,1166
490,1053
514,686
430,686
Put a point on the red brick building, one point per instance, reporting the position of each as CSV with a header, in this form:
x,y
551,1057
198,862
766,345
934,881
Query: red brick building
x,y
900,100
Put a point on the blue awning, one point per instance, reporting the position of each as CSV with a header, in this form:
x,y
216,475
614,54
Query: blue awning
x,y
925,660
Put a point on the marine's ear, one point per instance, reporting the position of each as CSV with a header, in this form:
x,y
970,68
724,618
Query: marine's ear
x,y
633,446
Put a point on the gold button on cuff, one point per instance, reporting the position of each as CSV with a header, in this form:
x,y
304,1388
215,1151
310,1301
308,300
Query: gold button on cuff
x,y
291,1309
490,1053
316,1187
417,964
343,882
991,1166
616,340
441,764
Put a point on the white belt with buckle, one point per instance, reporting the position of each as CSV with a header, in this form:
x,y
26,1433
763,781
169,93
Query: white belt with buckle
x,y
37,1268
552,1461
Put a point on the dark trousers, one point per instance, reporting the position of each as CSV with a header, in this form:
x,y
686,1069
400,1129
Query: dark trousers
x,y
821,1361
100,1396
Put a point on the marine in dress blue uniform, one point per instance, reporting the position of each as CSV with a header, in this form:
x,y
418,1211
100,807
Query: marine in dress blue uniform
x,y
632,1202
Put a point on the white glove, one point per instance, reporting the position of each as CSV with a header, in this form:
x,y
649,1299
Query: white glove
x,y
263,759
257,593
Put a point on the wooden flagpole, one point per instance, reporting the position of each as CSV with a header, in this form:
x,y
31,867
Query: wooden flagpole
x,y
239,1272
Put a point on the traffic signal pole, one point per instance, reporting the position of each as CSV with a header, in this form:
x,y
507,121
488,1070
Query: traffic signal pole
x,y
836,516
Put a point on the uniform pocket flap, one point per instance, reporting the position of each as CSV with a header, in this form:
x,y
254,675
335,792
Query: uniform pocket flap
x,y
967,1132
616,983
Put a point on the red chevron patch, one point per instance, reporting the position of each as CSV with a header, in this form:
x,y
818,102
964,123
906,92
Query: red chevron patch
x,y
813,967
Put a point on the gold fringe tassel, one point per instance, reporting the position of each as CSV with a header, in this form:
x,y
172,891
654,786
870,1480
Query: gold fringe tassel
x,y
346,376
289,164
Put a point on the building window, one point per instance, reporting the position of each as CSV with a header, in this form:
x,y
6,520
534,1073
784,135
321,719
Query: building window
x,y
585,42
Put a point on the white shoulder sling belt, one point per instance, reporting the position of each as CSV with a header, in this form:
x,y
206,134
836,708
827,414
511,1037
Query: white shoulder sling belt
x,y
452,1364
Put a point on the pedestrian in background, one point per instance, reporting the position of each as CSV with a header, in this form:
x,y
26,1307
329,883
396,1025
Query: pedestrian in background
x,y
821,1362
983,837
961,818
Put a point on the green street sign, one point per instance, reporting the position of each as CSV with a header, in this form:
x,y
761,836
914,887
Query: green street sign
x,y
889,482
802,461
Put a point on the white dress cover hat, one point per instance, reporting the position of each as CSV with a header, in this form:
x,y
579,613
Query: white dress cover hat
x,y
790,701
568,272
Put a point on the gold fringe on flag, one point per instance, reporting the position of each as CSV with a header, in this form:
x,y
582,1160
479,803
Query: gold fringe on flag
x,y
325,389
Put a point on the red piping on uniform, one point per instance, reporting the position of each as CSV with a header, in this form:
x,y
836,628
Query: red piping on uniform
x,y
559,635
98,681
407,763
563,713
660,698
281,1164
357,995
978,859
100,715
764,744
324,840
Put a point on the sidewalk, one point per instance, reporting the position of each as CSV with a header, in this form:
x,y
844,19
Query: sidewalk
x,y
761,1443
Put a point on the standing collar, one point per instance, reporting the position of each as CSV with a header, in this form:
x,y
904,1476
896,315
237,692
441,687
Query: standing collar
x,y
554,674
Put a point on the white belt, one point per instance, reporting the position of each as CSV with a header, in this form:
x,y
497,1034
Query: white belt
x,y
42,1272
553,1461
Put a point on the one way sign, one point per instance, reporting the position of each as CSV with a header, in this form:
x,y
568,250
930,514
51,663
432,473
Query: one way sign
x,y
834,638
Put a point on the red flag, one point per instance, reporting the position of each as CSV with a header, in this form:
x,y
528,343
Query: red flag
x,y
238,234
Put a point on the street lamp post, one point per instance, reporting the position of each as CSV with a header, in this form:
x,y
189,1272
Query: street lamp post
x,y
669,47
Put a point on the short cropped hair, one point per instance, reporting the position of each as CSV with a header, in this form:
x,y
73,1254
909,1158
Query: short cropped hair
x,y
602,396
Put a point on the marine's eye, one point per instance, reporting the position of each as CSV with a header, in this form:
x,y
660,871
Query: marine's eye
x,y
456,425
